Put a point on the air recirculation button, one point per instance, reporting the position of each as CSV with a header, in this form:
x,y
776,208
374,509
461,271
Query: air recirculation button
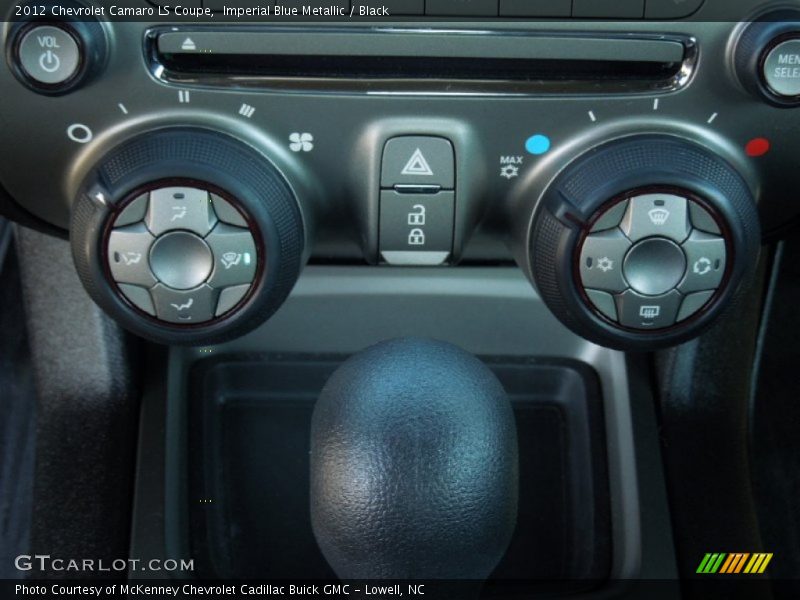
x,y
182,254
652,260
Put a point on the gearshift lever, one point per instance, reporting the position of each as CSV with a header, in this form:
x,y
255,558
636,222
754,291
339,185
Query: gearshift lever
x,y
413,465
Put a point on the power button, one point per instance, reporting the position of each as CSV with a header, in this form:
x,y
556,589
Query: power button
x,y
49,55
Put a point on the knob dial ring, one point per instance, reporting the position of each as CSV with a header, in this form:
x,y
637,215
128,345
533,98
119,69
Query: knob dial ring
x,y
615,172
204,160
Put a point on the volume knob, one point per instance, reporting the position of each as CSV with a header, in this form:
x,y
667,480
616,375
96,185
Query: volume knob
x,y
56,56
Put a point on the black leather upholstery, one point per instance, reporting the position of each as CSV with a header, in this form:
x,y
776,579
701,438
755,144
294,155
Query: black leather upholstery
x,y
413,464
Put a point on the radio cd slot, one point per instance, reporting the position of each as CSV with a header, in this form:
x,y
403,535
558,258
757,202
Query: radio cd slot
x,y
420,61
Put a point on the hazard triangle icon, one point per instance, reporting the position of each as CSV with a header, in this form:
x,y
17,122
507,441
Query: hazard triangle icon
x,y
417,165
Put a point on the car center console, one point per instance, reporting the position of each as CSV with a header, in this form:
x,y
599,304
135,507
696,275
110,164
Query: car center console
x,y
555,186
628,166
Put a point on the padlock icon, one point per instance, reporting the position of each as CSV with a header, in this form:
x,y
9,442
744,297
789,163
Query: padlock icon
x,y
416,237
417,215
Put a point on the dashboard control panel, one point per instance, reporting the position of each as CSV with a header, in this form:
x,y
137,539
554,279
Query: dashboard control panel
x,y
630,164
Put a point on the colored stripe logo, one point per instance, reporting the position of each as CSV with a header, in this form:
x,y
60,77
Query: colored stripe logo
x,y
734,563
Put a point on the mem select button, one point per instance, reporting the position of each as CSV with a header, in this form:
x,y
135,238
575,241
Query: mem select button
x,y
782,68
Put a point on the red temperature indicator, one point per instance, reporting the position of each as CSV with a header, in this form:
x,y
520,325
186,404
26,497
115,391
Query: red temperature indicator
x,y
757,147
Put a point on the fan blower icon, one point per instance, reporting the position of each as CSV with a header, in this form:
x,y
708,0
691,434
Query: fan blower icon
x,y
301,142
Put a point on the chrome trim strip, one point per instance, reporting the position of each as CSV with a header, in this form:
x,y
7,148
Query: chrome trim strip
x,y
432,87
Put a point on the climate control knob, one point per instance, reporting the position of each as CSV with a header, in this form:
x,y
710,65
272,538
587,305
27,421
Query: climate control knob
x,y
642,242
184,261
187,236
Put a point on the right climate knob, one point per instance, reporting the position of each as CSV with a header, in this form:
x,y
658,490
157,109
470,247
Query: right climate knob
x,y
643,241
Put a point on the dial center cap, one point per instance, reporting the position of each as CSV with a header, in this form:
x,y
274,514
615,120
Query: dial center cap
x,y
181,260
654,266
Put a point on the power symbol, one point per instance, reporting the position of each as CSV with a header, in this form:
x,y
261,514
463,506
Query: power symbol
x,y
49,61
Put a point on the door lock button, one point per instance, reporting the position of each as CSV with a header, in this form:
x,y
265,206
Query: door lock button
x,y
416,229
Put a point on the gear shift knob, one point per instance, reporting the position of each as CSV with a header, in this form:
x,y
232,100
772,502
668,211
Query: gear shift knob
x,y
413,464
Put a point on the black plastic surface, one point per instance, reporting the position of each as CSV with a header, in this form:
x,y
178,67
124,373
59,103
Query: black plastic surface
x,y
703,391
17,417
421,66
86,413
775,422
248,447
17,213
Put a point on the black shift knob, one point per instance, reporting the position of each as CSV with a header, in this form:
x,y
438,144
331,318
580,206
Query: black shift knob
x,y
413,465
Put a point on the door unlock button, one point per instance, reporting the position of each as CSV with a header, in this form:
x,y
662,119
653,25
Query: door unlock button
x,y
416,229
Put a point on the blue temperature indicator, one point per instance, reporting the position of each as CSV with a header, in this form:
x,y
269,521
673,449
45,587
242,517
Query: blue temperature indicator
x,y
537,144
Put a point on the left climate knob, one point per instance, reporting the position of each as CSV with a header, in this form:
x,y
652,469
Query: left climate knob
x,y
187,236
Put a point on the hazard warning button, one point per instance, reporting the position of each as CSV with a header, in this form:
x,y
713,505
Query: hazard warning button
x,y
418,161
